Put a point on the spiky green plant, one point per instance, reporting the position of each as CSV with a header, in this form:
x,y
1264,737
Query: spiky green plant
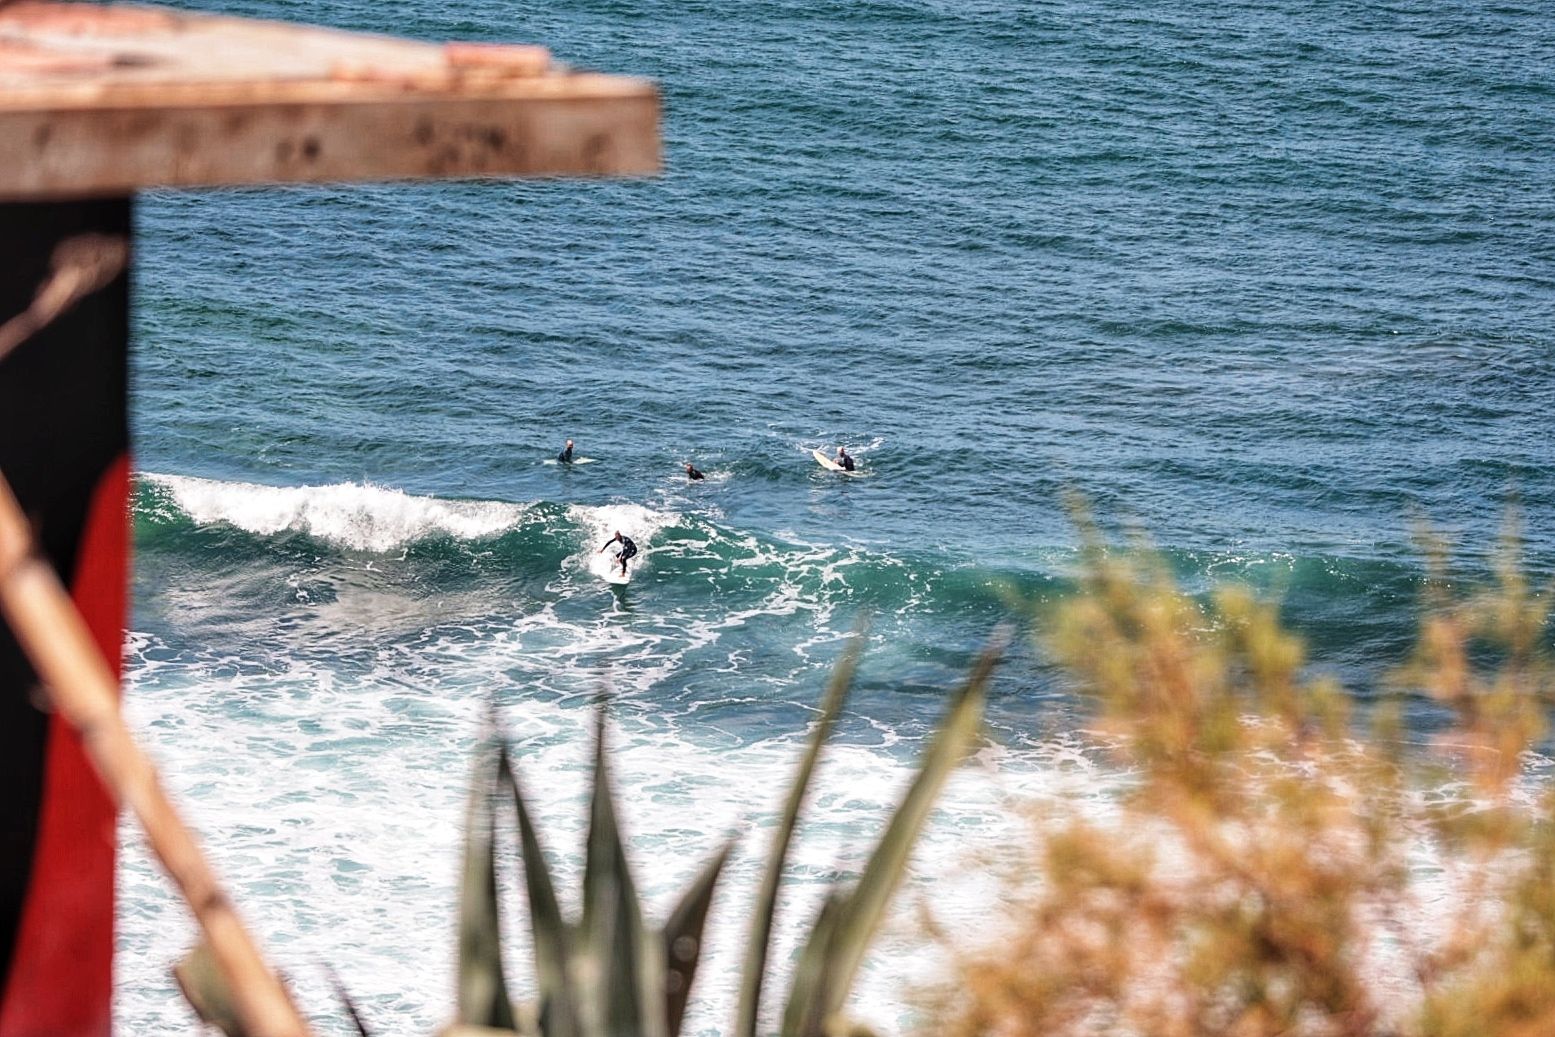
x,y
608,972
850,915
611,974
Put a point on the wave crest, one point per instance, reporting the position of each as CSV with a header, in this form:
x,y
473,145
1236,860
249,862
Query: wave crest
x,y
357,516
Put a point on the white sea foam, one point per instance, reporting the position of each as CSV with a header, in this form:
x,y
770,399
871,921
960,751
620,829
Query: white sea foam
x,y
331,799
830,445
333,806
331,793
601,522
330,790
358,516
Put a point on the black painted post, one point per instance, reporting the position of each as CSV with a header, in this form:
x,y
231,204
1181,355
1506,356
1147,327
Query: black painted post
x,y
64,449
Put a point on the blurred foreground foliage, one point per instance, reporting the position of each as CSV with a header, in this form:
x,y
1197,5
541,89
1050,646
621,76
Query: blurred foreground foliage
x,y
1277,865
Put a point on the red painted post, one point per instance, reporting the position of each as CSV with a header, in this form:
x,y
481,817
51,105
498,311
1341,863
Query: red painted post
x,y
64,449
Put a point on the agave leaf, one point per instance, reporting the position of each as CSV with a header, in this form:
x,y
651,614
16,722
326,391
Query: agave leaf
x,y
346,1000
482,993
615,947
760,938
841,1027
812,976
682,940
843,944
206,990
558,1009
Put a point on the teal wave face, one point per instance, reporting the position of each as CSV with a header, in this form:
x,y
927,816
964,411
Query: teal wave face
x,y
341,558
445,545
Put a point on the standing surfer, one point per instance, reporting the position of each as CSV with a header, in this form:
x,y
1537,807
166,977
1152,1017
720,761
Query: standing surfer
x,y
692,473
565,457
628,549
844,459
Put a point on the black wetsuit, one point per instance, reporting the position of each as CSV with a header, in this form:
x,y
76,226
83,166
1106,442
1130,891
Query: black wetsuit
x,y
693,473
846,462
628,549
565,457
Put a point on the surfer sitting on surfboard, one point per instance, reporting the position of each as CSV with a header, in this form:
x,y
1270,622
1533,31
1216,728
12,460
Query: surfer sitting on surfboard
x,y
628,549
844,459
565,457
692,473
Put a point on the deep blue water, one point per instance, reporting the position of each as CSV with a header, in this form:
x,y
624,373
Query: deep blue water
x,y
1272,283
1266,281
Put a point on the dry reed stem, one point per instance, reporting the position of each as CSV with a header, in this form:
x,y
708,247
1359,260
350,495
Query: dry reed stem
x,y
79,685
83,689
80,266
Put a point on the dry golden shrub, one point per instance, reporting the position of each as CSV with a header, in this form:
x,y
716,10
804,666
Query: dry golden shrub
x,y
1272,869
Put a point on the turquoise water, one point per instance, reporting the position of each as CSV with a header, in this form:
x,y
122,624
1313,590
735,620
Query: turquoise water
x,y
1271,284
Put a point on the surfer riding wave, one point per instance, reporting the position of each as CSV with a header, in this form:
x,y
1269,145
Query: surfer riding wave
x,y
628,549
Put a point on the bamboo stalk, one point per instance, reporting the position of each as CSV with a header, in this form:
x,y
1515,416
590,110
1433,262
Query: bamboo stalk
x,y
83,690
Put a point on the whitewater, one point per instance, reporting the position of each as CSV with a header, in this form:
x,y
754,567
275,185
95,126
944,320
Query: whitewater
x,y
323,747
313,664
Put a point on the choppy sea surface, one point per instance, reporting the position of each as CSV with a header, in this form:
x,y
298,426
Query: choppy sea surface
x,y
1272,283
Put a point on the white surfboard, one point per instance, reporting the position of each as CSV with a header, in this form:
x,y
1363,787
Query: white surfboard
x,y
608,568
827,463
575,460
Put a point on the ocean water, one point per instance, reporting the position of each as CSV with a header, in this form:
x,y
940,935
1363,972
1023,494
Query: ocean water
x,y
1270,283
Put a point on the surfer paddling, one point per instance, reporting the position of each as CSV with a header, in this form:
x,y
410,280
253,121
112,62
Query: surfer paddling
x,y
565,457
844,459
628,549
692,473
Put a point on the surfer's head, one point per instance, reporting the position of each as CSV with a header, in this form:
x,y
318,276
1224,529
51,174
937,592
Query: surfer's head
x,y
569,442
